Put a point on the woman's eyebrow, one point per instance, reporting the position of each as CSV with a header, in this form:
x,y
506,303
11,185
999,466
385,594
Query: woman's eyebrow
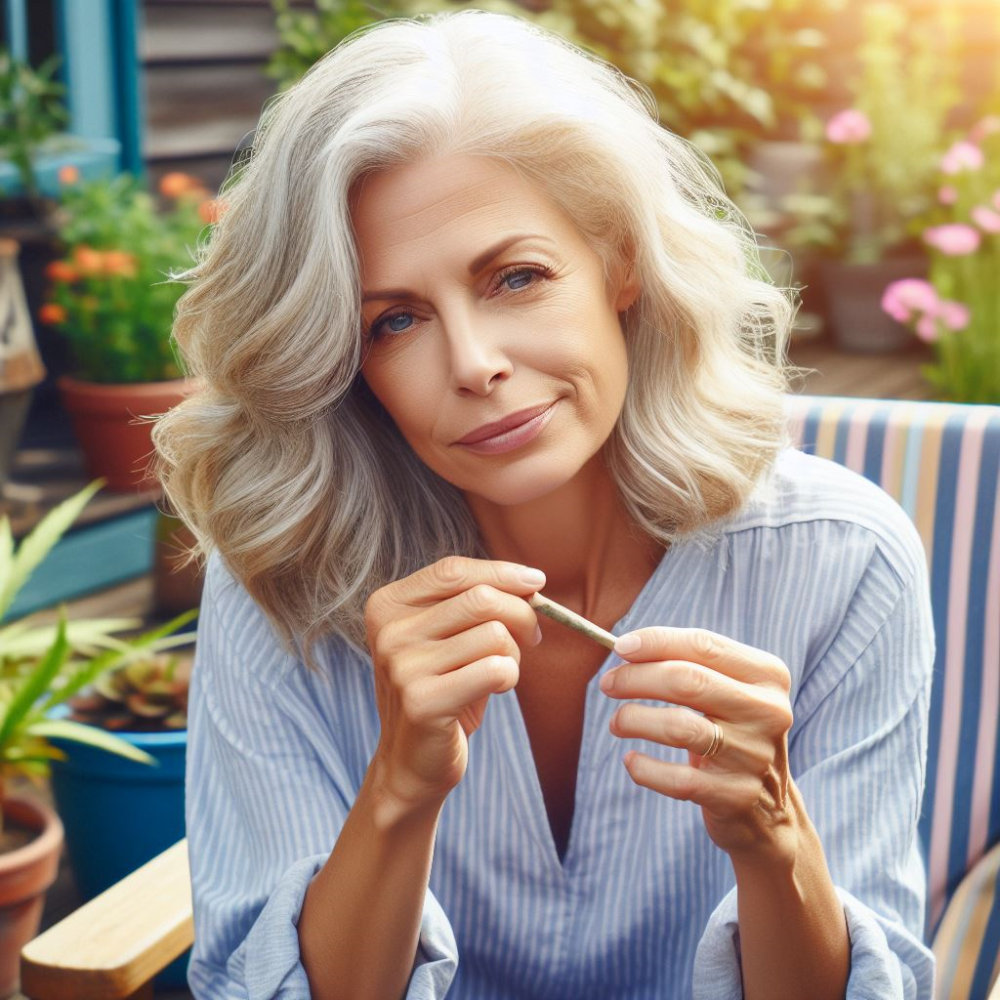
x,y
498,248
476,265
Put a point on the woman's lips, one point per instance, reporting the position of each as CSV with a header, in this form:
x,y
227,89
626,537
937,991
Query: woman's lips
x,y
514,437
497,427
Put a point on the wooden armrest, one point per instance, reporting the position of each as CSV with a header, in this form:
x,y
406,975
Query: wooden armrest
x,y
111,947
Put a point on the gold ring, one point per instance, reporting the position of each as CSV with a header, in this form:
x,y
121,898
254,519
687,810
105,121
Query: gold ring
x,y
717,741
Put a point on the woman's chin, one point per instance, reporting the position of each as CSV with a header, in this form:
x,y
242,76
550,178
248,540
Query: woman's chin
x,y
519,483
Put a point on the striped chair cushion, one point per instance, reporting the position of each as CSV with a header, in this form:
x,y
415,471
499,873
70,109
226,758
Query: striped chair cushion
x,y
940,462
968,962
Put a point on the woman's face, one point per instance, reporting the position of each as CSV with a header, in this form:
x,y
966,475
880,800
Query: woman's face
x,y
468,330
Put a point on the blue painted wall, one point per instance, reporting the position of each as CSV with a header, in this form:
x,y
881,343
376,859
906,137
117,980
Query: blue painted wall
x,y
98,42
89,559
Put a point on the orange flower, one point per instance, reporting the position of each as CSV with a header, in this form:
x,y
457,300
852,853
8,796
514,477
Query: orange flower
x,y
68,174
119,262
211,210
175,184
88,260
61,270
52,313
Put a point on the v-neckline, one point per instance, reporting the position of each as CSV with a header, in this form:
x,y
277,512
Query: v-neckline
x,y
534,806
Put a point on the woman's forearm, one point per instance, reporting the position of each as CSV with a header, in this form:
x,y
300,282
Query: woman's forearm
x,y
360,920
793,932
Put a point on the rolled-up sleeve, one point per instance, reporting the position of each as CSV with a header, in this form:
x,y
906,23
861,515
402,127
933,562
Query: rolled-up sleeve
x,y
858,754
262,815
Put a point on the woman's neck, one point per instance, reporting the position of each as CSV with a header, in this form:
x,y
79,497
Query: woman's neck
x,y
593,555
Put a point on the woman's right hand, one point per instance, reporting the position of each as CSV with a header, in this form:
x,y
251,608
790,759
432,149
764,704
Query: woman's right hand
x,y
442,640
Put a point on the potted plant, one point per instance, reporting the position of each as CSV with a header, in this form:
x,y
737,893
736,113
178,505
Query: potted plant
x,y
40,667
113,300
880,163
958,309
117,814
35,153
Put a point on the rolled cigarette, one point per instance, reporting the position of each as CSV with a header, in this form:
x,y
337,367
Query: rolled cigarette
x,y
571,619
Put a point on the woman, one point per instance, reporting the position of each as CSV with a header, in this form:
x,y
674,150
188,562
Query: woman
x,y
472,312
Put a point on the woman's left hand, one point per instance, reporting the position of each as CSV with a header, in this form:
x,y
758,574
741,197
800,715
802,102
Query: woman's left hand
x,y
745,790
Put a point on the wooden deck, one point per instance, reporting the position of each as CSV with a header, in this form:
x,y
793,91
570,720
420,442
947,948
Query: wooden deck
x,y
873,376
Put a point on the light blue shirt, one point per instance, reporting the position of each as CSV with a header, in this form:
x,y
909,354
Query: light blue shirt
x,y
826,571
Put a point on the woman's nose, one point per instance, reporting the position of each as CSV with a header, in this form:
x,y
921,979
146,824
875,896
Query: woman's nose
x,y
476,351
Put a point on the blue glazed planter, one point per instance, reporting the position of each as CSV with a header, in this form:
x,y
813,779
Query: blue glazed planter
x,y
118,814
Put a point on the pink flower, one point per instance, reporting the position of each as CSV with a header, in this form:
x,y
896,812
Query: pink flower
x,y
962,156
927,328
908,295
984,127
955,240
996,198
956,315
948,195
850,126
987,220
953,315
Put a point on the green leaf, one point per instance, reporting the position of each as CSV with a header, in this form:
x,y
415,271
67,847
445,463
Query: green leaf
x,y
91,736
37,545
37,682
23,639
38,752
151,641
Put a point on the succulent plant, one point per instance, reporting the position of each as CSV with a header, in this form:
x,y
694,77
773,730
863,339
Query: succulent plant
x,y
142,696
41,665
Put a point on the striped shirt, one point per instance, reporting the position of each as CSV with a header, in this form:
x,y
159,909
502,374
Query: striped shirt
x,y
825,571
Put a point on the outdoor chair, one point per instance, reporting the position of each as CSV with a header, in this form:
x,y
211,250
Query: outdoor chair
x,y
940,461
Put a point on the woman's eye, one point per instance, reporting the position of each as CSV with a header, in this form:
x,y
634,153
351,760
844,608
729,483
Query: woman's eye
x,y
521,273
390,323
522,277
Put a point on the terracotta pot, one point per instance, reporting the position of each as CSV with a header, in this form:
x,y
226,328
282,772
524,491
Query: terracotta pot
x,y
115,444
25,875
176,588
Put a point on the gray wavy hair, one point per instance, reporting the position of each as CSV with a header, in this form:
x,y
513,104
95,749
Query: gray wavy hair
x,y
286,463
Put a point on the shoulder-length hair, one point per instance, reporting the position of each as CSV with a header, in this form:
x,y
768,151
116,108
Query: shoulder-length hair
x,y
287,464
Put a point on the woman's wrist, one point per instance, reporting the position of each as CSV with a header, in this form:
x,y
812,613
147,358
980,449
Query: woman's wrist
x,y
778,850
390,808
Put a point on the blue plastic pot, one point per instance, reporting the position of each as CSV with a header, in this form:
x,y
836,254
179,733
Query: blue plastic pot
x,y
118,814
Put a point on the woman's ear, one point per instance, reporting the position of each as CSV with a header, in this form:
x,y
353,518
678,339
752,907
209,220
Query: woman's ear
x,y
628,286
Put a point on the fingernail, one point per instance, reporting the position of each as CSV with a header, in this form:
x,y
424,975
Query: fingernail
x,y
532,577
627,643
608,681
538,634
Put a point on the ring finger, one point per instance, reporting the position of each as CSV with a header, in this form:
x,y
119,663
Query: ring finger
x,y
674,727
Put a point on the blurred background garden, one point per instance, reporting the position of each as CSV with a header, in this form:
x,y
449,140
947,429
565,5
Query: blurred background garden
x,y
860,138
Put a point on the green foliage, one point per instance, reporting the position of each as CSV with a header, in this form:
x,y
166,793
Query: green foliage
x,y
111,295
967,365
877,188
32,682
31,110
723,72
